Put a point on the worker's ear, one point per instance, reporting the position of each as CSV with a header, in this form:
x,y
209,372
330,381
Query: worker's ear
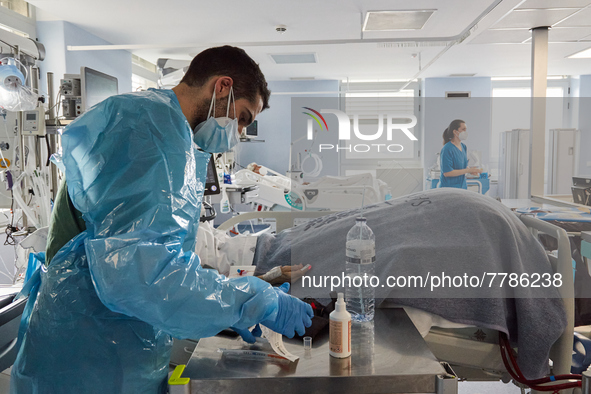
x,y
222,87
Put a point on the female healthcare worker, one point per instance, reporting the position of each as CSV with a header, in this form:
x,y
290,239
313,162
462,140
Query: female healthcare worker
x,y
454,156
121,277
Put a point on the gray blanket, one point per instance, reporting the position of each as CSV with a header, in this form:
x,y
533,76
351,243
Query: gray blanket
x,y
440,232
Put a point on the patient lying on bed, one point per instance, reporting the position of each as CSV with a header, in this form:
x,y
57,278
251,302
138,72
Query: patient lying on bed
x,y
220,251
448,231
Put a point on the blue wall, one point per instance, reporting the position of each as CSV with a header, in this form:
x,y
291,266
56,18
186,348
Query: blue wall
x,y
115,63
57,35
274,126
439,112
51,35
585,125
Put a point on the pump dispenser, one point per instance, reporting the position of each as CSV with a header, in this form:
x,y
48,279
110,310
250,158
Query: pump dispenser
x,y
340,329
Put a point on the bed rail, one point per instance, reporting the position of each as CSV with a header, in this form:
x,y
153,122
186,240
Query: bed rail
x,y
561,353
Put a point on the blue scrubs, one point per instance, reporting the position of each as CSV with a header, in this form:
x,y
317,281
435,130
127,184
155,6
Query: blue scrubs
x,y
453,159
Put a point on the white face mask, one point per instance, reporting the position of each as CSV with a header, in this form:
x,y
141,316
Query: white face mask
x,y
217,135
463,135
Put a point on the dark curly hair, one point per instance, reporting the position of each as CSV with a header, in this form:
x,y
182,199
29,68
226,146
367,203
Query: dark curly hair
x,y
233,62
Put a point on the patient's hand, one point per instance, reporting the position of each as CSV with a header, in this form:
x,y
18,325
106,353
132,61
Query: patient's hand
x,y
289,274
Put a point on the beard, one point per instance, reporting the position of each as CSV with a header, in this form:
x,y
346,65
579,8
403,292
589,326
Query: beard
x,y
201,112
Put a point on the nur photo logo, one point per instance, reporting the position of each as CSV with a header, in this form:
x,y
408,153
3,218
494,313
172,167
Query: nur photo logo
x,y
344,131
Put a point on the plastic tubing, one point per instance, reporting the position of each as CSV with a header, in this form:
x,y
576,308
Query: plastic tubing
x,y
318,165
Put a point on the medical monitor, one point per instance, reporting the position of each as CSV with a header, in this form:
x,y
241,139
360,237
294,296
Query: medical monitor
x,y
252,130
95,87
212,185
581,190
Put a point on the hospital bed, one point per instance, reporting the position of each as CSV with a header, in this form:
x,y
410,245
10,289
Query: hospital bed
x,y
471,356
10,317
336,193
473,352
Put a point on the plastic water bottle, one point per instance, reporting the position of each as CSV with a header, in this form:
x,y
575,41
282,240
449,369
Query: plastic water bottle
x,y
360,267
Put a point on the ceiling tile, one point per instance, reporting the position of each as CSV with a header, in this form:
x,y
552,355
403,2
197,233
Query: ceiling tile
x,y
557,34
582,18
173,26
501,37
533,18
554,4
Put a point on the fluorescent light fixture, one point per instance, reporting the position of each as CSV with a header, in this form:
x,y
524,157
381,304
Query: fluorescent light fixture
x,y
396,20
462,75
293,58
584,54
15,31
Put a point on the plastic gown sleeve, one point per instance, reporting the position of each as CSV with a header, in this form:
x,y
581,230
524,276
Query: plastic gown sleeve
x,y
133,172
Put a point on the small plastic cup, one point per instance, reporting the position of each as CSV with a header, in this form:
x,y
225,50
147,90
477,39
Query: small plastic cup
x,y
307,343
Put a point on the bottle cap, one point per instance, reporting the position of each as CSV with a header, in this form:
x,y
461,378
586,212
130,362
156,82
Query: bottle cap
x,y
340,304
361,219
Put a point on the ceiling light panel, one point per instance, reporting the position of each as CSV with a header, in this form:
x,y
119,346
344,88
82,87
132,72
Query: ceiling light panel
x,y
294,58
585,54
533,18
396,20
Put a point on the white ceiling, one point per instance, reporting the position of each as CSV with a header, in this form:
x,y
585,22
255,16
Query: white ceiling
x,y
497,47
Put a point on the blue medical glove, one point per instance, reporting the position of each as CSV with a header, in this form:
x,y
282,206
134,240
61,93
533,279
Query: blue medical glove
x,y
249,336
293,315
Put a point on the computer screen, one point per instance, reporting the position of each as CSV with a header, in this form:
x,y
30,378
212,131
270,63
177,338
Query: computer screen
x,y
252,129
96,86
582,190
212,185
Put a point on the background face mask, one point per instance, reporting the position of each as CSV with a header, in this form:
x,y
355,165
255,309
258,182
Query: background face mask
x,y
217,135
463,135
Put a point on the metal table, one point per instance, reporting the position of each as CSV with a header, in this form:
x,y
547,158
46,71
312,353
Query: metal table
x,y
388,356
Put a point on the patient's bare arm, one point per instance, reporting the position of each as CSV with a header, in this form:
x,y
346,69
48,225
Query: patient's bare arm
x,y
289,274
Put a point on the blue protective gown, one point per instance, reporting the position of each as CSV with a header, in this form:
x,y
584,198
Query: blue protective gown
x,y
453,159
113,296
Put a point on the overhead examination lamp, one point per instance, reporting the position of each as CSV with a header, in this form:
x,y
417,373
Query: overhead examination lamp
x,y
15,95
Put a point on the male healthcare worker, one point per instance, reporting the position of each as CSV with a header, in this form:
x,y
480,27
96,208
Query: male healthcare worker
x,y
120,276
